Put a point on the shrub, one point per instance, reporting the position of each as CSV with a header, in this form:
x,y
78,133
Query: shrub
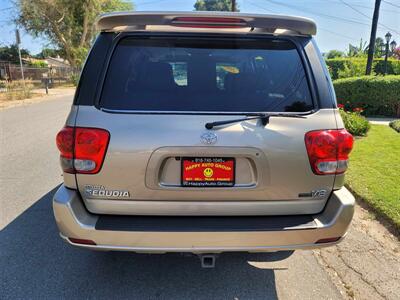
x,y
393,66
350,67
355,123
395,125
74,79
38,64
377,95
16,90
334,54
353,69
334,65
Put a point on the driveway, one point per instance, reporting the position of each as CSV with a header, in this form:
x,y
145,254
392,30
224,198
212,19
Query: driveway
x,y
35,263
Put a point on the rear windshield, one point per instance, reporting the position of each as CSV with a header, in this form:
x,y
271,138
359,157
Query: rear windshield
x,y
218,75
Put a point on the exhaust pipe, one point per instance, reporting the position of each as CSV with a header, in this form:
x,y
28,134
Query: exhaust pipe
x,y
208,260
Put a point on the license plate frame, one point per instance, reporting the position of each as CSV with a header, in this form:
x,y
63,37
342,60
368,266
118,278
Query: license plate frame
x,y
222,175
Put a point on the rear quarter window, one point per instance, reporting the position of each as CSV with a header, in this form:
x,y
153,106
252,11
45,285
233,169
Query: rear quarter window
x,y
209,75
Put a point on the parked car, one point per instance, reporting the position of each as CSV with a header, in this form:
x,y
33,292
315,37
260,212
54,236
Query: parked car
x,y
203,132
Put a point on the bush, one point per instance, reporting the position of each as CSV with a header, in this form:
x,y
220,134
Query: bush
x,y
393,66
377,95
351,67
16,90
334,54
38,64
334,65
74,79
395,125
355,123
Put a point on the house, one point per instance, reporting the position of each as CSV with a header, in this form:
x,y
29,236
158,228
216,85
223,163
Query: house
x,y
57,62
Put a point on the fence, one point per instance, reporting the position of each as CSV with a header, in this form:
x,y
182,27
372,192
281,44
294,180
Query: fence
x,y
56,75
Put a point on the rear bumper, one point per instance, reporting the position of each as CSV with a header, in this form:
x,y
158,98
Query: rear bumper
x,y
201,235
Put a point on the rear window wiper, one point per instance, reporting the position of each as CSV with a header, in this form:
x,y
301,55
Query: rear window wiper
x,y
264,119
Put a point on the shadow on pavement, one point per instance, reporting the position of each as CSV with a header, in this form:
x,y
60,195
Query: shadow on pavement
x,y
36,263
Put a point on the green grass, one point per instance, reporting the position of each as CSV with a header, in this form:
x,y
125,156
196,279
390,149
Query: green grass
x,y
374,173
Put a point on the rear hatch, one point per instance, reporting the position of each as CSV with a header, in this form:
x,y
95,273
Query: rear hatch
x,y
159,91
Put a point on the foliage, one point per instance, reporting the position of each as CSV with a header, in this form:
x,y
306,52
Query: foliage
x,y
395,125
214,5
354,122
17,90
353,69
68,25
10,53
38,64
393,67
362,49
377,95
334,53
396,53
74,79
379,45
49,52
373,173
355,66
359,50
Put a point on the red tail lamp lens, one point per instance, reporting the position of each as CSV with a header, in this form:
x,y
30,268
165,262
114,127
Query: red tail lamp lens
x,y
82,241
65,142
82,150
90,149
328,150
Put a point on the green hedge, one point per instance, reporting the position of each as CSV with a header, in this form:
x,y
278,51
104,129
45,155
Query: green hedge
x,y
38,64
351,67
355,123
395,125
377,95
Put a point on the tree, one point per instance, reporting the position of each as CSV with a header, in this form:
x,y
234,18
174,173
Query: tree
x,y
10,53
49,52
334,54
68,24
359,50
396,53
379,43
214,5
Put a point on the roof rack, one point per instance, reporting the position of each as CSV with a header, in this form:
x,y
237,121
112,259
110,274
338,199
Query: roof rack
x,y
123,21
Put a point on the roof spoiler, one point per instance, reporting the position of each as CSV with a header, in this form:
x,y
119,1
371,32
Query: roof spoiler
x,y
120,21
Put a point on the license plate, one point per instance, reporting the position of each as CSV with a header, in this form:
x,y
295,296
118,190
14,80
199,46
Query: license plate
x,y
208,171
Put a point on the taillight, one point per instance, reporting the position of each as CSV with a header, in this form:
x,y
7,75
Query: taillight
x,y
82,150
328,150
65,143
82,241
209,22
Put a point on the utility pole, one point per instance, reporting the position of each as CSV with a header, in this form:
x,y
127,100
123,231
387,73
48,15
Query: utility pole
x,y
18,40
372,39
233,5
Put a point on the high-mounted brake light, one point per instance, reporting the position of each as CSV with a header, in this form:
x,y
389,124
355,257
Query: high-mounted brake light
x,y
82,150
209,22
328,150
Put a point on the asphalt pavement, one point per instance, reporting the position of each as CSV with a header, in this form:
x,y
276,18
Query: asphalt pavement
x,y
36,264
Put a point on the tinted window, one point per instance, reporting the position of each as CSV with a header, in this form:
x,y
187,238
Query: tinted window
x,y
230,75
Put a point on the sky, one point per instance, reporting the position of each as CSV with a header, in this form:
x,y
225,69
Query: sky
x,y
339,22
